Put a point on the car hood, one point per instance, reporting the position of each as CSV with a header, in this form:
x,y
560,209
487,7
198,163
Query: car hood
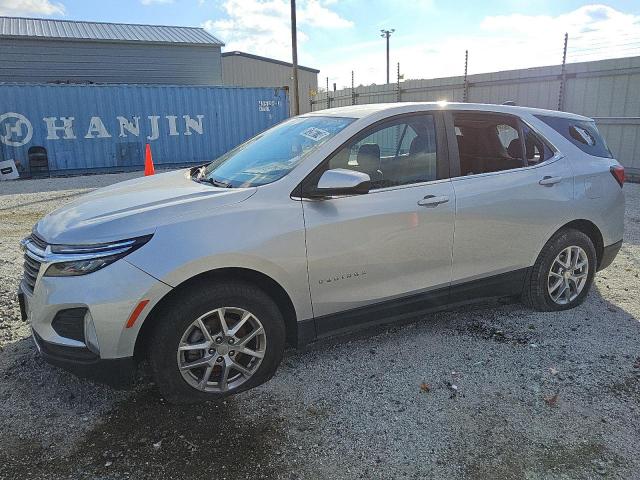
x,y
135,207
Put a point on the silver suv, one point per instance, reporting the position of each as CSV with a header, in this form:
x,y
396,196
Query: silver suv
x,y
327,222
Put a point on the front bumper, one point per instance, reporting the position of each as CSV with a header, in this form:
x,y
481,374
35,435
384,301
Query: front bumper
x,y
608,255
116,372
109,295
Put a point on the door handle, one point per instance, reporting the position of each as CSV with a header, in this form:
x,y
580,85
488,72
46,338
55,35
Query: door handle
x,y
433,201
548,181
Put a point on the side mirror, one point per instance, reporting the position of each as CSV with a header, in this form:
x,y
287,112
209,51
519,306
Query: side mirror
x,y
340,181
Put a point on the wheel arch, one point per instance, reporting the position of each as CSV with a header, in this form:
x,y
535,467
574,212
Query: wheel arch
x,y
259,279
591,230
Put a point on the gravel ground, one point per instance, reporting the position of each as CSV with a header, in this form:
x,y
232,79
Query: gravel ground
x,y
489,391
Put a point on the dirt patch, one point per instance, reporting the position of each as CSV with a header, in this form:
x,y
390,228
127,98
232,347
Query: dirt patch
x,y
155,440
508,459
628,387
496,334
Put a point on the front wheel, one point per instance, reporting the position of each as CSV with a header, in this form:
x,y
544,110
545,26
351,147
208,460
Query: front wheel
x,y
216,340
563,272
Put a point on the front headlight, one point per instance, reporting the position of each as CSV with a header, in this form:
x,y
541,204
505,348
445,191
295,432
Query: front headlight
x,y
74,260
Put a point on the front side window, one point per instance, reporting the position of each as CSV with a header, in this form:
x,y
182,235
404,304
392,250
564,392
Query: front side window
x,y
398,152
272,154
583,134
488,143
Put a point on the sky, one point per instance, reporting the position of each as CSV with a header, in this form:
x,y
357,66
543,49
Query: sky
x,y
341,36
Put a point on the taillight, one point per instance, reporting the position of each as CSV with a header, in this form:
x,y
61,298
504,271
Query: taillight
x,y
618,173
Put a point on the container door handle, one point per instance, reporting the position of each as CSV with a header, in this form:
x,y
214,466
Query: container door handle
x,y
549,181
433,201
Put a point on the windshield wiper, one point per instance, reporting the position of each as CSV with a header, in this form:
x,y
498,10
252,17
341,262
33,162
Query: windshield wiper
x,y
216,183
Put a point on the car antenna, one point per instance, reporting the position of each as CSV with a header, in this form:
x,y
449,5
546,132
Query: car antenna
x,y
511,103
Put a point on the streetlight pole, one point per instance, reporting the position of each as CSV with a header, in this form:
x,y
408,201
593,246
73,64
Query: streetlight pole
x,y
386,34
294,48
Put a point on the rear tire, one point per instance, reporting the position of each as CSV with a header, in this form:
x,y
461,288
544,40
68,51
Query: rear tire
x,y
563,273
206,326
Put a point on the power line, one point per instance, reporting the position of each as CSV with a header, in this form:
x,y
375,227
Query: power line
x,y
606,41
600,35
607,51
608,46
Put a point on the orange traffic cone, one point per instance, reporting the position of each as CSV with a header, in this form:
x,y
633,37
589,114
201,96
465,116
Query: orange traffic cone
x,y
148,162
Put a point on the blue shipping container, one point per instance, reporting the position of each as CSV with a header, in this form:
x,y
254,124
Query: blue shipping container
x,y
96,128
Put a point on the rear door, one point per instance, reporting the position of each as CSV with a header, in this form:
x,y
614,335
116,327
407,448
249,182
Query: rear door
x,y
598,196
511,192
377,250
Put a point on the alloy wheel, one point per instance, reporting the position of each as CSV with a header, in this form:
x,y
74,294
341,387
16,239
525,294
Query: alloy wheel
x,y
568,275
221,349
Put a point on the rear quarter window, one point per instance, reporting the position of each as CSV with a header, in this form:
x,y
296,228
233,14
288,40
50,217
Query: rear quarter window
x,y
583,134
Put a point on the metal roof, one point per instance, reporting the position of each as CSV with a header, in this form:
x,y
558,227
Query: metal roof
x,y
266,59
38,28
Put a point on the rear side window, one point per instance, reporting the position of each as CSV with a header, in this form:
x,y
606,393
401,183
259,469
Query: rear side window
x,y
536,150
487,142
583,134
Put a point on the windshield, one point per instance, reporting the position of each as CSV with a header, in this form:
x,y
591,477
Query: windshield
x,y
272,154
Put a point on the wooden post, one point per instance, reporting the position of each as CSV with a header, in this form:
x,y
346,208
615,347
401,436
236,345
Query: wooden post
x,y
294,48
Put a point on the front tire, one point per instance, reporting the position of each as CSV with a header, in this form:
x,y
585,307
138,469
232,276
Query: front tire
x,y
563,273
215,340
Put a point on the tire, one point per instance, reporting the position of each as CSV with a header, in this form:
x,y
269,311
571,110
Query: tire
x,y
536,293
176,329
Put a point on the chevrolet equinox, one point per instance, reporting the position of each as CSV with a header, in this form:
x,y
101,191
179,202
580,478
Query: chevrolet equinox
x,y
329,221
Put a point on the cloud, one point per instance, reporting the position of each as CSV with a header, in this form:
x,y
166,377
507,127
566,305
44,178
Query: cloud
x,y
585,19
315,14
155,2
595,32
30,7
263,26
503,42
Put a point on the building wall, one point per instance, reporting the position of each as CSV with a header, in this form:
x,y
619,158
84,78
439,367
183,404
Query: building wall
x,y
33,60
249,72
605,90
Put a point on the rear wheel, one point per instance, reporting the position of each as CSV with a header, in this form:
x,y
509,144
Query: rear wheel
x,y
216,340
563,272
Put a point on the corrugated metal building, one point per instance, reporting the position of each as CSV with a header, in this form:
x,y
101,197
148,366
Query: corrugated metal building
x,y
42,50
247,70
65,129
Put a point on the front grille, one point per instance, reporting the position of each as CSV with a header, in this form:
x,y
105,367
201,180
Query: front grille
x,y
33,258
31,269
41,244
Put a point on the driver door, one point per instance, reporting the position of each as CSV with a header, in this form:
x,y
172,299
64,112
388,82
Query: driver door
x,y
387,253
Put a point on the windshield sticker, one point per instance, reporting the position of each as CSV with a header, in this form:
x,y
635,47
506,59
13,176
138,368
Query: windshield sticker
x,y
315,134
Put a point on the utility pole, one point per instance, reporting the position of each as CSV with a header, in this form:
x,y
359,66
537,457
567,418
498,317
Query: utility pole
x,y
563,74
294,51
386,34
